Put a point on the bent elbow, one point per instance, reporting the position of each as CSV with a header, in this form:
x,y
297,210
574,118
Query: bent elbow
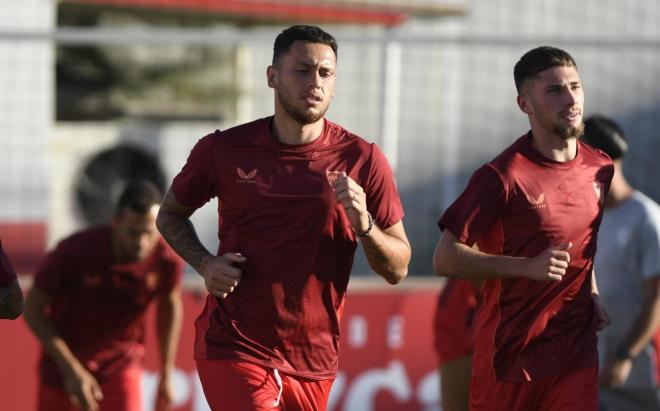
x,y
397,276
441,266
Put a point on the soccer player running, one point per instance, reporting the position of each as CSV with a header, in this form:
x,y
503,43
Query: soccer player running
x,y
88,304
628,269
11,296
534,212
295,193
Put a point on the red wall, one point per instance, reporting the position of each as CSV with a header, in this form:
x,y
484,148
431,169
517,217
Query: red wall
x,y
386,360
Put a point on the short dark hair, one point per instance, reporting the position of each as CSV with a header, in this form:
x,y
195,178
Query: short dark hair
x,y
536,60
606,135
301,32
139,195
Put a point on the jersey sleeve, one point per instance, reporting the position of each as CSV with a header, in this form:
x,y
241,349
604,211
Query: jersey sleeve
x,y
196,182
477,208
51,276
173,268
383,201
7,273
650,244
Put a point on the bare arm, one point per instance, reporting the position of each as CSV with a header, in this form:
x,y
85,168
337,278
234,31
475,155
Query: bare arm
x,y
11,301
173,222
452,258
644,327
387,251
80,384
168,324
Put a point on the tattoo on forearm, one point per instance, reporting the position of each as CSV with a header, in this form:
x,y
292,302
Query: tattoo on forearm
x,y
180,233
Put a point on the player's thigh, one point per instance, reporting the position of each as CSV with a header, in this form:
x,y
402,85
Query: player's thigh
x,y
455,383
123,391
302,394
231,385
575,391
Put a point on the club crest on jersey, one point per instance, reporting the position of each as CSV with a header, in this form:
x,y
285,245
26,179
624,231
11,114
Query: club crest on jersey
x,y
332,176
536,203
246,178
600,191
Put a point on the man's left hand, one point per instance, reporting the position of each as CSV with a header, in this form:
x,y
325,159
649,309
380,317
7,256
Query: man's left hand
x,y
164,395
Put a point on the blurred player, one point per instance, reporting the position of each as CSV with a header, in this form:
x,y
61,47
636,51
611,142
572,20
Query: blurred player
x,y
295,192
87,308
453,341
11,296
628,271
534,212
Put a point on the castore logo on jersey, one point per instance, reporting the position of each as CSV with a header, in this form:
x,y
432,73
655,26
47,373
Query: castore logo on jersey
x,y
246,178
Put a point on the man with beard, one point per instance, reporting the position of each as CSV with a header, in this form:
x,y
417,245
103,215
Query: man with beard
x,y
534,213
295,193
88,307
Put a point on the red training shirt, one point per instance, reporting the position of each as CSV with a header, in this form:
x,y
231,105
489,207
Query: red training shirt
x,y
98,305
7,273
276,206
520,204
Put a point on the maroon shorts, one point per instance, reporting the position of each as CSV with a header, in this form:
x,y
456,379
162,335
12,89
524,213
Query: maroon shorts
x,y
575,391
238,385
121,392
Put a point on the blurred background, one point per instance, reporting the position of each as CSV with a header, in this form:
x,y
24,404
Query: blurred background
x,y
95,91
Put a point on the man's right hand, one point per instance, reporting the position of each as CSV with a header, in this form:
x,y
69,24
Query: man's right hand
x,y
550,265
220,276
84,392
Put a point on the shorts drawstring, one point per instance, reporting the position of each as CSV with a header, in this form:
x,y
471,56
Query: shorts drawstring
x,y
278,380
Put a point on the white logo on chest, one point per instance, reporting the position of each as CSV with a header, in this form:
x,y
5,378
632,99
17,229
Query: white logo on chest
x,y
246,178
536,202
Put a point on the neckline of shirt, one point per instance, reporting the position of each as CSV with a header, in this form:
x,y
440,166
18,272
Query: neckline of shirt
x,y
538,158
312,146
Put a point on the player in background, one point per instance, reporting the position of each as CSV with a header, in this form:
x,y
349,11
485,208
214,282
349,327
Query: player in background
x,y
88,304
11,296
628,271
454,313
534,213
295,193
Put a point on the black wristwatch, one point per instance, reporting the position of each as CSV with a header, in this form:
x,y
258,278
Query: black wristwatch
x,y
623,353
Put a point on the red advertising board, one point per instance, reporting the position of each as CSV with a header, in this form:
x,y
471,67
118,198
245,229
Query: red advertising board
x,y
386,356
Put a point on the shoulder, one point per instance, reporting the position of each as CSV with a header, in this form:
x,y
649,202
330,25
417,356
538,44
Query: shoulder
x,y
649,209
241,134
338,136
86,239
593,155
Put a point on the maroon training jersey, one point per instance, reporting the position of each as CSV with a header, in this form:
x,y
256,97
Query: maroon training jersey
x,y
520,204
276,206
7,273
98,305
452,323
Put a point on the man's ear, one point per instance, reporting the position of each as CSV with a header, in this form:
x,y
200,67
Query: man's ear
x,y
523,103
271,76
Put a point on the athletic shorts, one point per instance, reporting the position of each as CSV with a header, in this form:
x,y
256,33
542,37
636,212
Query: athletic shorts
x,y
231,385
575,391
121,392
453,320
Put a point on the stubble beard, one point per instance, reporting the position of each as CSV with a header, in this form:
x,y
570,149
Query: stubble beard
x,y
567,133
302,116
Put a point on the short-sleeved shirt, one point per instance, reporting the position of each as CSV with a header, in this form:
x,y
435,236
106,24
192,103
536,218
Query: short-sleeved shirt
x,y
277,207
7,273
520,204
98,305
454,314
628,256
